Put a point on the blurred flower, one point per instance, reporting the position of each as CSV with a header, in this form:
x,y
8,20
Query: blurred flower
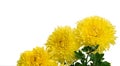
x,y
61,45
37,57
95,30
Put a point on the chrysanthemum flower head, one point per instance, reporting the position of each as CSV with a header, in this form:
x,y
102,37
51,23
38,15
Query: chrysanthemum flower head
x,y
61,44
95,30
37,57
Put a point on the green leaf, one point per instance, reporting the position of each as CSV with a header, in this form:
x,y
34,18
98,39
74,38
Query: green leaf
x,y
97,60
105,63
79,54
87,58
86,49
93,48
96,57
89,48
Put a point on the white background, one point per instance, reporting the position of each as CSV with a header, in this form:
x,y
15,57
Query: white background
x,y
25,24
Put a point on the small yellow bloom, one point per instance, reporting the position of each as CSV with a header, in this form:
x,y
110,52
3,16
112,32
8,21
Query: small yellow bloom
x,y
61,45
37,57
95,30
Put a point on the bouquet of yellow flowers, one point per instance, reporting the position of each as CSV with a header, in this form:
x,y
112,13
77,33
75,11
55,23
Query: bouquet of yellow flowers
x,y
83,45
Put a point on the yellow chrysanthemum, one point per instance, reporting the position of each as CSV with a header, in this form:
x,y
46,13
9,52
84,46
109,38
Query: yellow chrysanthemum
x,y
61,45
95,30
37,57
